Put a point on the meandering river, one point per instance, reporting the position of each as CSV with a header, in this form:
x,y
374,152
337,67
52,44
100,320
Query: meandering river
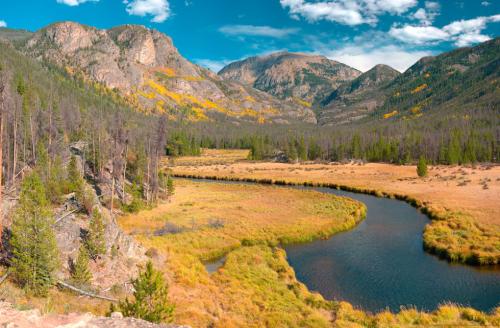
x,y
381,263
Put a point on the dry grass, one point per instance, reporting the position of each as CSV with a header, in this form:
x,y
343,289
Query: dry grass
x,y
469,229
213,156
256,287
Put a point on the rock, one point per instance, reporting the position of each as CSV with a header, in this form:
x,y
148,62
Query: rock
x,y
116,315
12,318
295,76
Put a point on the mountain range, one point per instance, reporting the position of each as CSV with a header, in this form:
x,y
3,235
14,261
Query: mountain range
x,y
143,67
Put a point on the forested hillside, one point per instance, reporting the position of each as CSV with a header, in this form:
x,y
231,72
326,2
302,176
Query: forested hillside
x,y
357,99
461,79
45,109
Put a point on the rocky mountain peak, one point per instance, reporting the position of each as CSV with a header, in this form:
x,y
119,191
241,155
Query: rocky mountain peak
x,y
146,68
301,77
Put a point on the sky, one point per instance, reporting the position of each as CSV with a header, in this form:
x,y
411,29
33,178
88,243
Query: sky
x,y
213,33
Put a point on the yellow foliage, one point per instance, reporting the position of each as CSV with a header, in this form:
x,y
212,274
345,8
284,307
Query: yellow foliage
x,y
302,102
250,99
167,71
419,88
147,95
416,110
391,114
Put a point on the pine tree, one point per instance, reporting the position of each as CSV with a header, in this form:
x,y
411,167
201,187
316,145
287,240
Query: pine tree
x,y
94,241
292,152
33,243
150,298
75,180
56,181
170,186
301,150
80,273
422,167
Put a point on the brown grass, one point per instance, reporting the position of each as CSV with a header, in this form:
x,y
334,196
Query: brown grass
x,y
471,209
211,156
256,287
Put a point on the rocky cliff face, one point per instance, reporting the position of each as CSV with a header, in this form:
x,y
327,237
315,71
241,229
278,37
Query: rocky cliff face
x,y
293,76
358,98
145,67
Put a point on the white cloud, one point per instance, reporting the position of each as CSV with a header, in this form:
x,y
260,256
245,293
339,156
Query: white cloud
x,y
427,15
347,12
3,23
73,3
418,34
252,30
363,58
462,33
485,3
159,9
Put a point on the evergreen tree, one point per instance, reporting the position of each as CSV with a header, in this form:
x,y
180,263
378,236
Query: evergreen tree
x,y
80,273
170,186
56,181
301,149
422,167
292,152
150,298
94,241
75,180
33,243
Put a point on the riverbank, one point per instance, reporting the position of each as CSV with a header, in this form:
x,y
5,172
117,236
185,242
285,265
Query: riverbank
x,y
255,287
463,202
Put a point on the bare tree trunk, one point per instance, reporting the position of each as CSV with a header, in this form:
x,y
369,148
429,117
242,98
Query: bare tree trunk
x,y
148,175
14,157
2,105
32,138
112,192
124,171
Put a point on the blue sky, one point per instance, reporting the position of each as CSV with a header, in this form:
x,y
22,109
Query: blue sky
x,y
212,33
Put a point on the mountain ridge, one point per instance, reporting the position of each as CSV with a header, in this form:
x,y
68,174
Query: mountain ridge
x,y
144,66
287,75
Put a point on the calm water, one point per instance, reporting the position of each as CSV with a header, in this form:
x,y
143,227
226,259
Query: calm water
x,y
381,263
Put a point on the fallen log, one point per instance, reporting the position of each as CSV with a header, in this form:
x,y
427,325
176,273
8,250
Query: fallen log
x,y
84,292
5,276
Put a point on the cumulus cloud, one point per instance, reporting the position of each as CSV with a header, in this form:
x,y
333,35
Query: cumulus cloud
x,y
3,23
252,30
347,12
74,3
158,9
427,15
462,33
363,58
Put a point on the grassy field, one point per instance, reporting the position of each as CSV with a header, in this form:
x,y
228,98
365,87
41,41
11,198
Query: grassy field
x,y
211,157
256,287
462,200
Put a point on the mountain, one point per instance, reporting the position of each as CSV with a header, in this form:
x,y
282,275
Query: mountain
x,y
11,35
358,98
464,78
306,79
143,66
